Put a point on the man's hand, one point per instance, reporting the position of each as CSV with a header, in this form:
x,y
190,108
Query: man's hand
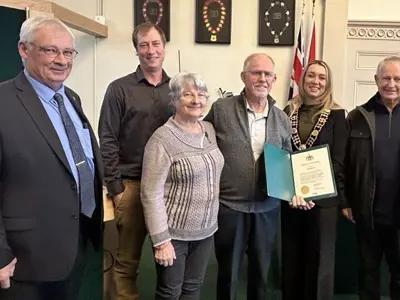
x,y
300,203
117,198
6,273
348,214
165,254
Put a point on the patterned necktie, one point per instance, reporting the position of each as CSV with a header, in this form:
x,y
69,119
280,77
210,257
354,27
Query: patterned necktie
x,y
86,185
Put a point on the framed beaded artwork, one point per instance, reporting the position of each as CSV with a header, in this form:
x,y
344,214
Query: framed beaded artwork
x,y
213,21
153,11
276,22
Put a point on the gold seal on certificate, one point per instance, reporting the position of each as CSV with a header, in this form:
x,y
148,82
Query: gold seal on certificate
x,y
305,190
307,173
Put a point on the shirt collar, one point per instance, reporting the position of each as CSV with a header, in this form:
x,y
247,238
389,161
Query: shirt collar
x,y
43,91
380,106
140,76
248,108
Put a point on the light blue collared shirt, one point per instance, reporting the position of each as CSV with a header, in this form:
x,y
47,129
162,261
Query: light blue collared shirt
x,y
46,95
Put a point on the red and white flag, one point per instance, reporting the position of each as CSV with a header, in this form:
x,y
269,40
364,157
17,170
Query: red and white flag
x,y
298,63
311,45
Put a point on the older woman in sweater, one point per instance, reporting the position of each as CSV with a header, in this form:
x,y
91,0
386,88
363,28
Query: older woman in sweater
x,y
179,191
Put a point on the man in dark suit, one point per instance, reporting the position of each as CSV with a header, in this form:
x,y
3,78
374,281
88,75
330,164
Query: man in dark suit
x,y
50,172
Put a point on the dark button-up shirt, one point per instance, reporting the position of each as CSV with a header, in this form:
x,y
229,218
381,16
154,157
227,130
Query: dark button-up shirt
x,y
131,111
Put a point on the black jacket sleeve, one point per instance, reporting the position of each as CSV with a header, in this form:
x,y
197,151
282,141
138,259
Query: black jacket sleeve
x,y
109,129
338,153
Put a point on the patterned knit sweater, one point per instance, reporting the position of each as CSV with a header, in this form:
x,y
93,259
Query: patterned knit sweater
x,y
180,183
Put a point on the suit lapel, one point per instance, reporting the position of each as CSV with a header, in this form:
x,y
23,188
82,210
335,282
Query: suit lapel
x,y
35,109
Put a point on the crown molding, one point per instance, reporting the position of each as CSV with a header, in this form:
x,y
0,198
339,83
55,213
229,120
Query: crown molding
x,y
373,30
69,17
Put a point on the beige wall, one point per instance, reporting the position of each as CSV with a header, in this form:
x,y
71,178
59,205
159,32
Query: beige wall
x,y
102,60
334,43
373,10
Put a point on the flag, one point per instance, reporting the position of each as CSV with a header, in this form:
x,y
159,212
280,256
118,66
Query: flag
x,y
298,64
311,44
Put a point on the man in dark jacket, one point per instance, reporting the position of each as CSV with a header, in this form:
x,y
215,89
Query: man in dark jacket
x,y
50,171
373,166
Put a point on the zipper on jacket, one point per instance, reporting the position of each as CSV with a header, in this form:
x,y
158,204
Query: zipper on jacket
x,y
390,124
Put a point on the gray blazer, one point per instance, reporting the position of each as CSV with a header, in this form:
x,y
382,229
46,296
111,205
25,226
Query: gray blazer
x,y
243,180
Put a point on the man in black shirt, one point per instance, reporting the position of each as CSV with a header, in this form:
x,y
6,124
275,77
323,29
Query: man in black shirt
x,y
373,181
134,107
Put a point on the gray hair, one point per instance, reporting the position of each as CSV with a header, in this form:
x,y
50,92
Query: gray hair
x,y
395,59
29,27
251,56
184,79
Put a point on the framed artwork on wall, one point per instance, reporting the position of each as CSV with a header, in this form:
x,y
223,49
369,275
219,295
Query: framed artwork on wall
x,y
213,21
276,22
153,11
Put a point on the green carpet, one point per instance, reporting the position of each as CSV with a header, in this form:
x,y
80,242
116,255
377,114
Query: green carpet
x,y
345,271
147,280
92,285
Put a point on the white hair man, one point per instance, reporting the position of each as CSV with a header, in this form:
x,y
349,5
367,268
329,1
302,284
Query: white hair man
x,y
373,174
247,216
50,196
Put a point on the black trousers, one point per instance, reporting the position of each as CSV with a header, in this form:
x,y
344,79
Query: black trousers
x,y
238,232
384,240
183,280
308,253
67,289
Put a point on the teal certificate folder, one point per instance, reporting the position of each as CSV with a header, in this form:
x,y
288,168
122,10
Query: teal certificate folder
x,y
307,173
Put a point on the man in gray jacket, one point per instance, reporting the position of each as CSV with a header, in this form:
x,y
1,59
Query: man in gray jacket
x,y
247,217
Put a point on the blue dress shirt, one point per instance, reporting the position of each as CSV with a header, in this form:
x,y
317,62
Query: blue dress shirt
x,y
46,95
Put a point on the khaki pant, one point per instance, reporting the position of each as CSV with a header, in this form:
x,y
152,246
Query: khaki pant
x,y
131,234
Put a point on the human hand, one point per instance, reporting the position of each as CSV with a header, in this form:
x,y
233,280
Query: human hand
x,y
165,254
300,203
6,273
348,214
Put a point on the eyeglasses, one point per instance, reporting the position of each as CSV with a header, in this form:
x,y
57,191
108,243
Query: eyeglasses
x,y
53,52
258,74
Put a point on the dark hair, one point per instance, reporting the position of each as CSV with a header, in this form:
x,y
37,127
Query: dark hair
x,y
145,27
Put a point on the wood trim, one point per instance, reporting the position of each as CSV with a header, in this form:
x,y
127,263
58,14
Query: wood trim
x,y
69,17
18,4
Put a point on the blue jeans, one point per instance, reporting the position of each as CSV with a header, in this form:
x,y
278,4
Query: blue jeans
x,y
183,280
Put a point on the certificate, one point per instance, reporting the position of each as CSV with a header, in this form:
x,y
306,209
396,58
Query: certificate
x,y
307,173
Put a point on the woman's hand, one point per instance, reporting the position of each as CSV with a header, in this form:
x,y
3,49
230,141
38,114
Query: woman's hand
x,y
300,203
165,254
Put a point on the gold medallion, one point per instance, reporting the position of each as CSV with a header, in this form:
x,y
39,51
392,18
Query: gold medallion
x,y
305,190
